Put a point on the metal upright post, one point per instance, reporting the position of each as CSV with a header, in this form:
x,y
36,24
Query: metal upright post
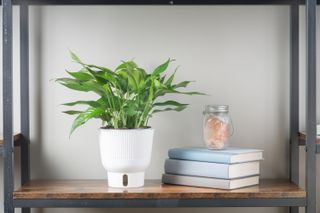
x,y
7,106
311,106
24,95
294,95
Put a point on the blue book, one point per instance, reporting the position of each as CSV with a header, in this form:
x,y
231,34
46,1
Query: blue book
x,y
227,156
212,170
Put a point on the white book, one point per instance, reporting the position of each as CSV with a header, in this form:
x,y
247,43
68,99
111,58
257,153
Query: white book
x,y
213,170
210,182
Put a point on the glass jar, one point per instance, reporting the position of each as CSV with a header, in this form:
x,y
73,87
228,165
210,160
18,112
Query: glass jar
x,y
217,126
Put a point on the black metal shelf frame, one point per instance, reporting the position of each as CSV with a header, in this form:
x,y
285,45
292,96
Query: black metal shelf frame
x,y
160,203
303,143
310,146
158,2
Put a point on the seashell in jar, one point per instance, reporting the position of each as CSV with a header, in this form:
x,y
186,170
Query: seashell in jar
x,y
216,133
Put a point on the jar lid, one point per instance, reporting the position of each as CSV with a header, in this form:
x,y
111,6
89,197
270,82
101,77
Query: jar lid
x,y
216,108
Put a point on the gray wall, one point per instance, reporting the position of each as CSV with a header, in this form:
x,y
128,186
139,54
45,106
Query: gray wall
x,y
238,55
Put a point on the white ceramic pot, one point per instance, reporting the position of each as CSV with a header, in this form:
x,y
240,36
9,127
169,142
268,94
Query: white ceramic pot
x,y
126,154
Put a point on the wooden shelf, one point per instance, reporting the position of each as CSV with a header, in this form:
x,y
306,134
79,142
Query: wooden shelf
x,y
153,189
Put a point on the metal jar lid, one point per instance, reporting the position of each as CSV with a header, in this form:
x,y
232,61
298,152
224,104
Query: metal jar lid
x,y
216,108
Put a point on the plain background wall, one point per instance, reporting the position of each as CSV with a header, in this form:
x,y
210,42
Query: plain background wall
x,y
238,55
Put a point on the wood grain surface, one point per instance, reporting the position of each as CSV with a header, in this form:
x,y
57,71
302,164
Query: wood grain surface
x,y
153,189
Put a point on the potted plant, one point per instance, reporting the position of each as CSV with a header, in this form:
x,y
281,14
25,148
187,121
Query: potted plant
x,y
128,97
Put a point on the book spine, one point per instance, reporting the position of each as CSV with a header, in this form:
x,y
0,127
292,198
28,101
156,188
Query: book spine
x,y
194,168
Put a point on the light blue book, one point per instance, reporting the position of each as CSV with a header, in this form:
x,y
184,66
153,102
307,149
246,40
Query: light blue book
x,y
213,170
228,156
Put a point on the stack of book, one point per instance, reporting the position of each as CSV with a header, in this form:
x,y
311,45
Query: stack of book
x,y
229,168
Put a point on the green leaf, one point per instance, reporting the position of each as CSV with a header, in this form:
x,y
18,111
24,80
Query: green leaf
x,y
78,85
103,102
177,109
109,76
170,79
75,57
132,82
181,84
81,75
90,103
157,83
184,93
127,65
169,103
150,96
73,84
142,72
162,79
131,65
95,66
160,69
72,112
103,73
99,76
192,93
85,116
131,110
139,75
